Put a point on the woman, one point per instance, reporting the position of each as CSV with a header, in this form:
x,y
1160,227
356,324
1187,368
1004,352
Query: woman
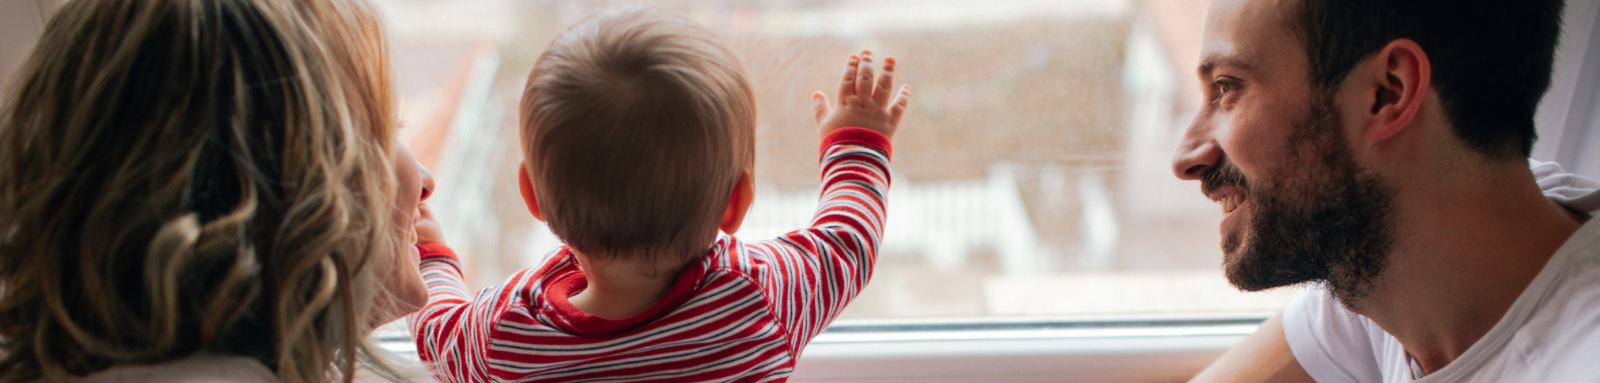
x,y
199,185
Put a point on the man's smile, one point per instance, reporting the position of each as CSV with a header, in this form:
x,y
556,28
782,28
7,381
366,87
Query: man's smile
x,y
1230,197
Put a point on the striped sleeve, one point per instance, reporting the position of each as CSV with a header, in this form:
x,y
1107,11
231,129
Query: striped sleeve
x,y
813,273
452,330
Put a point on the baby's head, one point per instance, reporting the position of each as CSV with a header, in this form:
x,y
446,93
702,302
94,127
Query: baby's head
x,y
637,125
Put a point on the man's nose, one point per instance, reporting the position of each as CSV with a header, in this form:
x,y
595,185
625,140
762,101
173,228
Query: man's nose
x,y
1197,152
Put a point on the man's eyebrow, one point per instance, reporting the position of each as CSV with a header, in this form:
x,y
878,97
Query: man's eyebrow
x,y
1211,63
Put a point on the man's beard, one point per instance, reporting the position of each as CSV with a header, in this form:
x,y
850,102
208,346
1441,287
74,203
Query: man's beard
x,y
1320,218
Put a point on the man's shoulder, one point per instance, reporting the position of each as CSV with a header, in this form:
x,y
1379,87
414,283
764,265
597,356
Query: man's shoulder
x,y
1558,341
1574,272
1548,334
1558,337
1569,309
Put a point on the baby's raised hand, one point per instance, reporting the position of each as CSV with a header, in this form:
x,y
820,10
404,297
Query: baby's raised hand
x,y
864,100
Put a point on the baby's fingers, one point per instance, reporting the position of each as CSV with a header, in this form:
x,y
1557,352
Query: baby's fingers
x,y
901,101
847,85
864,76
880,96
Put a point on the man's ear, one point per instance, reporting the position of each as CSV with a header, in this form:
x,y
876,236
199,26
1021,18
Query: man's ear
x,y
739,203
527,191
1403,77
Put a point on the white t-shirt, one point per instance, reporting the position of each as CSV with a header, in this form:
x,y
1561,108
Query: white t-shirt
x,y
1550,334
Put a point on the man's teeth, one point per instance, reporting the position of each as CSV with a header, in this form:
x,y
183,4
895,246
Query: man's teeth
x,y
1231,202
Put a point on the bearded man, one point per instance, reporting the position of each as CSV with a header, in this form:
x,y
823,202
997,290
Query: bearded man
x,y
1377,150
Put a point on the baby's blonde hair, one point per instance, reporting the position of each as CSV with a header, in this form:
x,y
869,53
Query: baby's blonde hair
x,y
197,175
637,124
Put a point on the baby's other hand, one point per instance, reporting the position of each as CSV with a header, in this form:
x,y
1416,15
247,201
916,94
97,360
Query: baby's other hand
x,y
864,100
428,230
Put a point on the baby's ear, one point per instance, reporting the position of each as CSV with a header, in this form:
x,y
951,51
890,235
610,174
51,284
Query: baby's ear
x,y
527,191
744,192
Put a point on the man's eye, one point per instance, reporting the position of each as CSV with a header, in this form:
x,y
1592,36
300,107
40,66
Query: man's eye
x,y
1223,86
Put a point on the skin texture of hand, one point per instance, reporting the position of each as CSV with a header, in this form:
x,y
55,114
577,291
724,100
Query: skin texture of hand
x,y
428,230
864,100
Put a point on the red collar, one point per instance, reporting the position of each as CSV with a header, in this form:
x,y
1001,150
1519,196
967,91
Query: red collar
x,y
566,279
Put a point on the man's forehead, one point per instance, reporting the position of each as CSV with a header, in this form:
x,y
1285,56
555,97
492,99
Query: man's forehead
x,y
1247,34
1271,13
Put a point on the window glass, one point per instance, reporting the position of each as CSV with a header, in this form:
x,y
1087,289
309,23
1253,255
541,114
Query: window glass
x,y
1032,174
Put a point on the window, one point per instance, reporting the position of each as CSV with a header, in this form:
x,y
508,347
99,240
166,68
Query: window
x,y
1032,175
1035,227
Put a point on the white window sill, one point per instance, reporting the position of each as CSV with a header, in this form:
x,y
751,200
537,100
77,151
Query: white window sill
x,y
990,350
1143,350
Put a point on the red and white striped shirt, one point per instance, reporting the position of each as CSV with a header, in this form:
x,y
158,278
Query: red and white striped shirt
x,y
741,314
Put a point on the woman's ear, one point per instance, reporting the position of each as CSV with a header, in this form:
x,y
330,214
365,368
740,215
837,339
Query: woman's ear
x,y
527,191
744,192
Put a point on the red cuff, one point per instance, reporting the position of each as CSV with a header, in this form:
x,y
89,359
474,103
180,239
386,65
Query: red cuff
x,y
434,249
860,136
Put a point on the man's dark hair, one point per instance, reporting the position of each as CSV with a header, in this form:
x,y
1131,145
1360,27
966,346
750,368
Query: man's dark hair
x,y
1491,58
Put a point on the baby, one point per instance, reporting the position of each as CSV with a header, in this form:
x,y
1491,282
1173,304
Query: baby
x,y
638,134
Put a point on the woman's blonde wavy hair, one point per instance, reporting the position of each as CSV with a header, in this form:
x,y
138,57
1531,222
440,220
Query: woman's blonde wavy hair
x,y
180,176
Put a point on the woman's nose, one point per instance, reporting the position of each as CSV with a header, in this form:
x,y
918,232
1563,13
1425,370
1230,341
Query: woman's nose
x,y
427,183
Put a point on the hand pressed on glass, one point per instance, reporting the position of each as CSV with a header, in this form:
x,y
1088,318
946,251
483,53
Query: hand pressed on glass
x,y
863,100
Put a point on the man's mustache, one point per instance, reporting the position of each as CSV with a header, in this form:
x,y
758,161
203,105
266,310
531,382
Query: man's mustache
x,y
1226,174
